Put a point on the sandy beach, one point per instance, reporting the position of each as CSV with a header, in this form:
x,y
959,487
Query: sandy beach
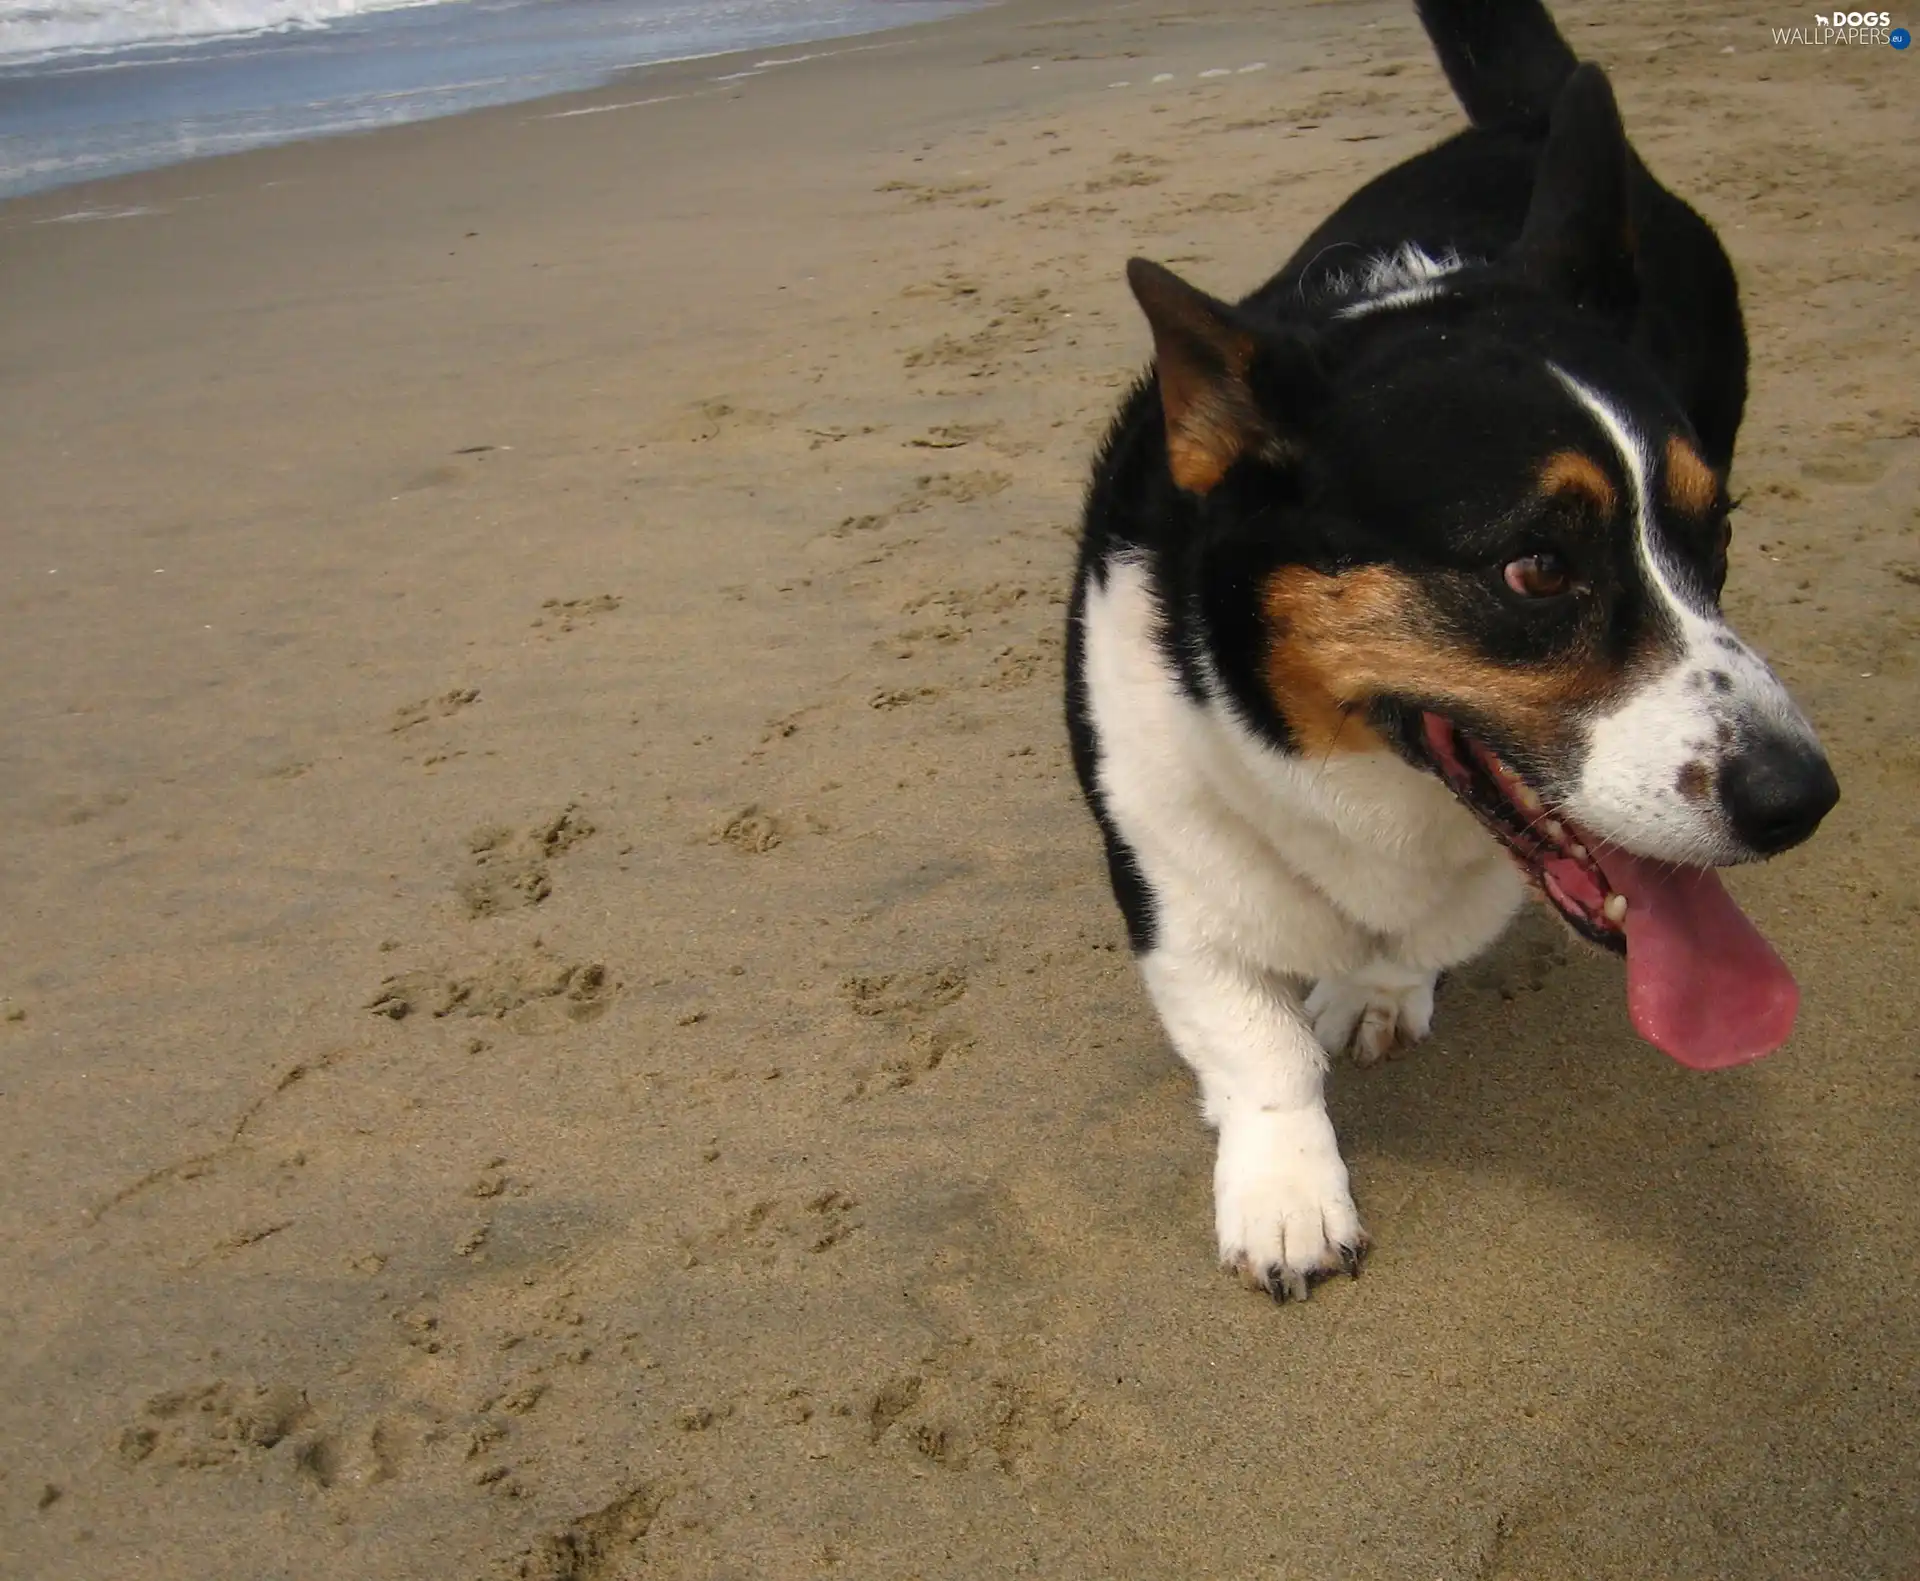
x,y
560,1014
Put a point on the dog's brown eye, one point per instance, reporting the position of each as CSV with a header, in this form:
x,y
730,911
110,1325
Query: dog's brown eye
x,y
1539,576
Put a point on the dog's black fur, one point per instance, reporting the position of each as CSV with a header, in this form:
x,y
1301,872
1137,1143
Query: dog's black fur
x,y
1413,555
1413,437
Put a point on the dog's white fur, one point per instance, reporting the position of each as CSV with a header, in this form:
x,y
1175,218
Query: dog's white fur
x,y
1357,874
1361,872
1401,278
1628,790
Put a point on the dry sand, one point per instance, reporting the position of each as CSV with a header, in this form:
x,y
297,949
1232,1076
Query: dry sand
x,y
563,1019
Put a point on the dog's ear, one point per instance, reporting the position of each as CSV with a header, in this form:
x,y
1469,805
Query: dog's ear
x,y
1206,356
1578,240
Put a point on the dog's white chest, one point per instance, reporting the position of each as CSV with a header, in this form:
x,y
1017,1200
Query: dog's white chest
x,y
1306,863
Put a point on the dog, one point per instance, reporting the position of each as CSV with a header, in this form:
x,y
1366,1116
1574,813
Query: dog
x,y
1398,596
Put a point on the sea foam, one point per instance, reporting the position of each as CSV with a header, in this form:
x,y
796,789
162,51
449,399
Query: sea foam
x,y
43,29
93,88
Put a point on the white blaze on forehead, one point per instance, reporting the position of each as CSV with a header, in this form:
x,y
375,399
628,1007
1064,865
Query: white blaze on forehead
x,y
1714,695
1707,642
1634,455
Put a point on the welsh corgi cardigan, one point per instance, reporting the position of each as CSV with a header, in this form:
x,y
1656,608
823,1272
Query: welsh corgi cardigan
x,y
1399,594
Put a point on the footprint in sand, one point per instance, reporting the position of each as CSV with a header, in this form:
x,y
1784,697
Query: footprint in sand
x,y
752,830
511,870
1019,324
445,706
531,993
1018,666
903,696
995,598
565,614
925,1051
908,995
598,1545
772,1225
962,488
212,1424
970,194
1133,170
959,1417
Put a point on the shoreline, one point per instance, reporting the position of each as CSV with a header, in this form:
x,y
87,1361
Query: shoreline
x,y
609,78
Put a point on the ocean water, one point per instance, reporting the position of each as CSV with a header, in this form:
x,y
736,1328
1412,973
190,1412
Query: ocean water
x,y
99,87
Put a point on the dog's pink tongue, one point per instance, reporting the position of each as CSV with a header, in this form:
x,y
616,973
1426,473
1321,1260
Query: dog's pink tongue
x,y
1702,984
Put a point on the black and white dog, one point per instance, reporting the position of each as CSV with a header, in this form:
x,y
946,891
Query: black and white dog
x,y
1399,593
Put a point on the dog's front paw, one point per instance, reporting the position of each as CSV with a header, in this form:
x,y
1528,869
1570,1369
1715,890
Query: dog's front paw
x,y
1282,1207
1376,1012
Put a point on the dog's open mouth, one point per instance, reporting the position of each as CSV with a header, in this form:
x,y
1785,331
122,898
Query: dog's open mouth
x,y
1551,853
1702,984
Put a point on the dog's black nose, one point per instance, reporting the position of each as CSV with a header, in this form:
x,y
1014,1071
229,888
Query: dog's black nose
x,y
1776,790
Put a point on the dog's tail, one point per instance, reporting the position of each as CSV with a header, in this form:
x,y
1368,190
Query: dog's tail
x,y
1505,59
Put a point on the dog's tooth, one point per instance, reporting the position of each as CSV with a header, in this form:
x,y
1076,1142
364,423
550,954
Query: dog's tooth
x,y
1615,910
1555,831
1579,852
1528,798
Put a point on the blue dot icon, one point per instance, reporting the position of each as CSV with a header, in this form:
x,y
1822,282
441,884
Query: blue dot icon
x,y
1900,38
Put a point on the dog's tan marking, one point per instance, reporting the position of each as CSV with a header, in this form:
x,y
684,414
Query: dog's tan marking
x,y
1208,429
1571,472
1692,485
1314,620
1695,781
1201,359
1339,642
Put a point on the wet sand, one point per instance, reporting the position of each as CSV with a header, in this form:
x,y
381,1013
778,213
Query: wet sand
x,y
562,1017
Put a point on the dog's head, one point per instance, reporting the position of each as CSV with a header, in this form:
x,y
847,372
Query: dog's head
x,y
1459,518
